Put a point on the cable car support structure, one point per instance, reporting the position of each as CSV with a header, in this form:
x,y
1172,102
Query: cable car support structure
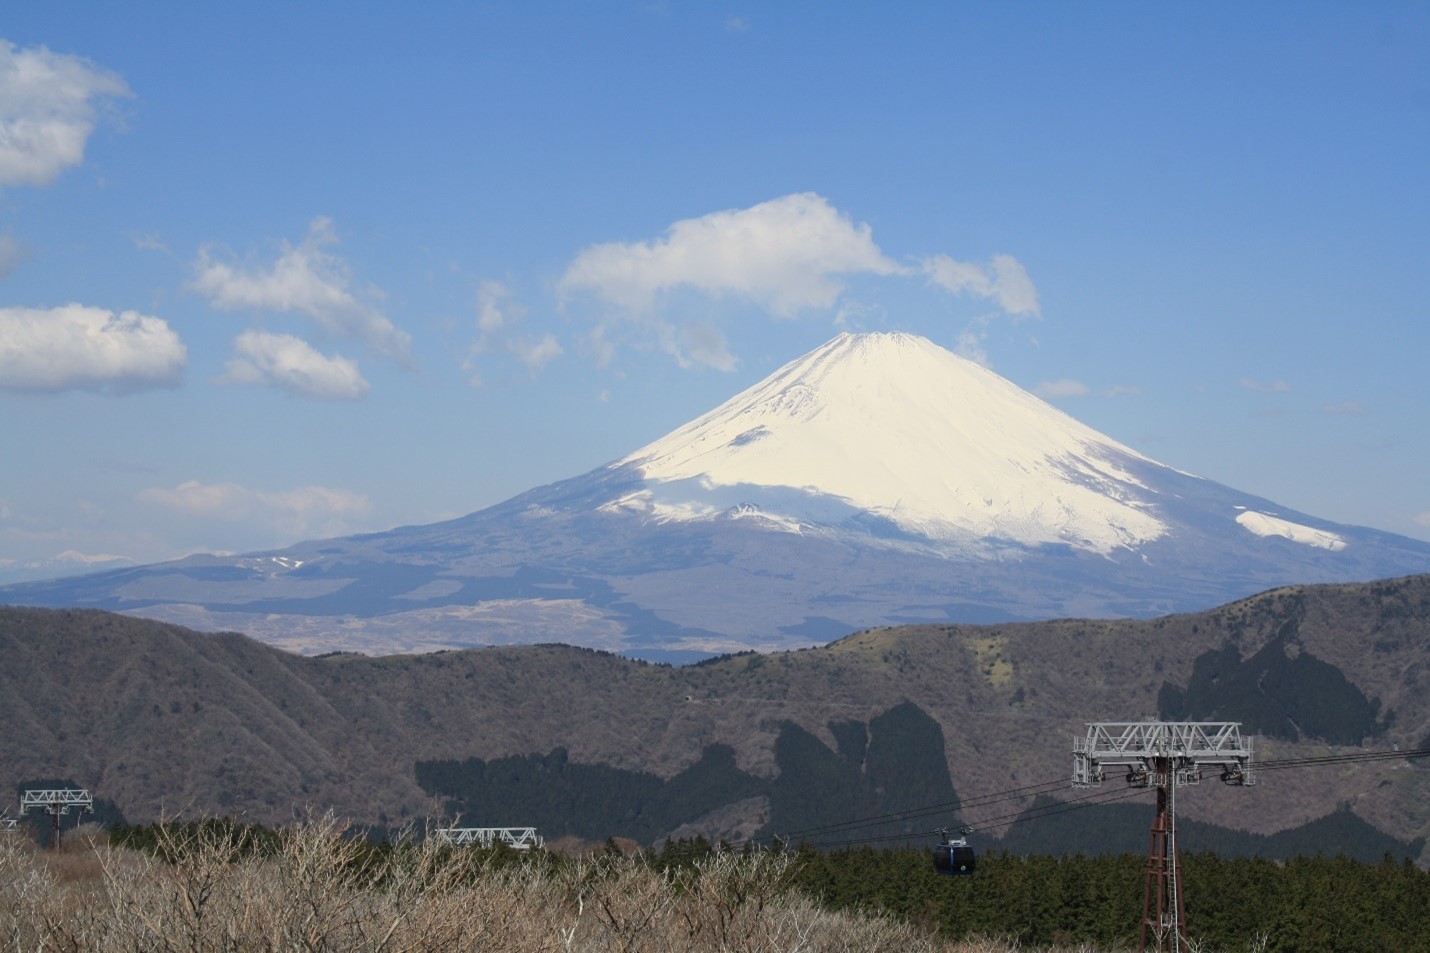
x,y
1165,755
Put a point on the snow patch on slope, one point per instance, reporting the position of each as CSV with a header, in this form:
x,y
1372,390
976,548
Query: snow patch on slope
x,y
895,426
1264,524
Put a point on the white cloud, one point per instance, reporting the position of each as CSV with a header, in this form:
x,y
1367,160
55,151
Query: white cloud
x,y
536,353
857,315
1267,387
289,363
306,279
490,316
599,346
970,343
1003,279
1066,387
1013,287
785,255
1122,390
1348,409
738,24
149,241
1423,519
958,277
76,347
303,511
698,342
47,111
498,316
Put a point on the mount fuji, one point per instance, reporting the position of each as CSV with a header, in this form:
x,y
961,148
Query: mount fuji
x,y
877,480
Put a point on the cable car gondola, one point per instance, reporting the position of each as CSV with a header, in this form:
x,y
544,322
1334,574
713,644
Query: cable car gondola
x,y
954,857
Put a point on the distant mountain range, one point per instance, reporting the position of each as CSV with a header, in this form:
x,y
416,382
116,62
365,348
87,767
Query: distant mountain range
x,y
66,563
159,719
878,480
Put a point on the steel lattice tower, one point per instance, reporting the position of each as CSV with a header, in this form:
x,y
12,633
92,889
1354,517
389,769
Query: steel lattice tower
x,y
1166,755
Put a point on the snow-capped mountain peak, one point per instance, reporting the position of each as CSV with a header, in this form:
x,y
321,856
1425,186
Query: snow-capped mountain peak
x,y
877,480
894,426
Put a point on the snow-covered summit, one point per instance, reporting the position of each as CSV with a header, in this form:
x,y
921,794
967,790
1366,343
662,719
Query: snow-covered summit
x,y
894,426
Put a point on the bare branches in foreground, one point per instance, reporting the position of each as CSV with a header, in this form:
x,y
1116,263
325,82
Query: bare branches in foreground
x,y
214,888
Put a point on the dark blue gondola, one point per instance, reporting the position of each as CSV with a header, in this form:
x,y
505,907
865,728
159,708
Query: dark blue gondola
x,y
954,857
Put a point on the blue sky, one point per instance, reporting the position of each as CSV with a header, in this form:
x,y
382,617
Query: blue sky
x,y
279,271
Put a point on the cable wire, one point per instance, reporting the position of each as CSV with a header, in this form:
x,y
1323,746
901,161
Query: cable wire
x,y
1278,764
1036,813
913,812
813,834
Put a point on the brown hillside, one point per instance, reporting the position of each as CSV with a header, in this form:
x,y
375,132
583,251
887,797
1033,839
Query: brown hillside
x,y
160,718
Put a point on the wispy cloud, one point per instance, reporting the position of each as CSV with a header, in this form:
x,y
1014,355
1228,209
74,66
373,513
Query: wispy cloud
x,y
972,342
12,253
302,511
738,24
291,364
493,306
1065,387
148,241
1003,280
598,345
76,347
697,343
499,315
1266,387
1347,409
306,279
537,352
48,108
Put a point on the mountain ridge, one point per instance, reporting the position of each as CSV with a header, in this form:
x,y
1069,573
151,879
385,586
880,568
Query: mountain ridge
x,y
159,718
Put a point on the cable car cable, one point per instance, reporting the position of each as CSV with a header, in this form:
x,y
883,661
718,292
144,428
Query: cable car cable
x,y
912,812
1059,806
1348,758
1047,810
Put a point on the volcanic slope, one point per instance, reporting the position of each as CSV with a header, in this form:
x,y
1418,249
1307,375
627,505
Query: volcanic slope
x,y
158,718
879,479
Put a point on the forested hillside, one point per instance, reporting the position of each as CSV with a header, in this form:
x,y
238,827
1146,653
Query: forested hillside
x,y
156,719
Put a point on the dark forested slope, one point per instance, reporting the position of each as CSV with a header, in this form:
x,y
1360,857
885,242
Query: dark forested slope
x,y
161,719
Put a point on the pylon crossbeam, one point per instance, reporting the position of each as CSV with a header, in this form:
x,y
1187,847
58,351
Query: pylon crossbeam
x,y
1187,747
517,838
56,800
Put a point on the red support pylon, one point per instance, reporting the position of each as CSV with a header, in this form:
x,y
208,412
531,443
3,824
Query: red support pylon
x,y
1164,917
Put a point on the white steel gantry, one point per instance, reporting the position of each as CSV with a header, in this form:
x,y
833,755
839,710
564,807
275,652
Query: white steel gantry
x,y
55,802
517,838
1188,747
1165,755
